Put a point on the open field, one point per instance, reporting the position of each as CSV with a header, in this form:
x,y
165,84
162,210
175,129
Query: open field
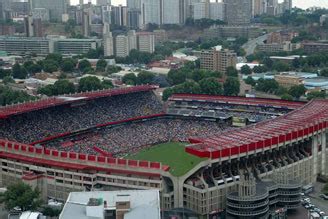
x,y
172,154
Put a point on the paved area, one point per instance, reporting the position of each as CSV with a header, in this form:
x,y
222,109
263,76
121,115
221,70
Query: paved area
x,y
316,200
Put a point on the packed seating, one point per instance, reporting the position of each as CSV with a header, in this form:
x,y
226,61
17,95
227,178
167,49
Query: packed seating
x,y
37,125
130,138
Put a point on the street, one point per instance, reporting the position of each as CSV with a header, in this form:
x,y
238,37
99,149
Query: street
x,y
250,46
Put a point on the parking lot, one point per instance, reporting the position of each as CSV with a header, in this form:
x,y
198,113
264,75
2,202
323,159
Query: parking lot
x,y
314,203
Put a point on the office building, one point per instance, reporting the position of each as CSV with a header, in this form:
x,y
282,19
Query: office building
x,y
281,36
314,47
103,2
216,10
278,47
7,29
226,31
170,12
119,15
217,59
86,22
199,10
150,12
56,8
134,204
29,28
160,36
132,40
121,46
37,27
71,46
146,42
25,45
108,43
259,7
134,18
238,12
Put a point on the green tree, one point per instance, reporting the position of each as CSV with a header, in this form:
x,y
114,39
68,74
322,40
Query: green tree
x,y
55,57
63,87
48,90
167,93
231,86
7,80
51,212
324,72
68,65
260,69
4,73
287,97
211,86
101,65
189,87
316,95
245,70
113,69
281,66
107,84
50,66
297,91
130,79
90,83
267,85
18,71
84,65
145,77
21,195
232,72
177,76
249,80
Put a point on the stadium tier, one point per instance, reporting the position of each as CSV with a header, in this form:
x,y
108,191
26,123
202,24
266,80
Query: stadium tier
x,y
213,146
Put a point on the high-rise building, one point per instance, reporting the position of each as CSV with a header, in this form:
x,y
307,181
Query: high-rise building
x,y
4,7
41,13
29,29
37,27
150,12
170,12
259,7
288,5
238,11
103,2
216,10
119,15
56,7
199,10
132,40
86,21
108,42
217,59
146,42
134,18
121,46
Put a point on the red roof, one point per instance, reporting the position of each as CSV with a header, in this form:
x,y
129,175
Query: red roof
x,y
238,100
298,123
61,100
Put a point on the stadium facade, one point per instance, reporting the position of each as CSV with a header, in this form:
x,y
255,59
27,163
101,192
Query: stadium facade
x,y
292,145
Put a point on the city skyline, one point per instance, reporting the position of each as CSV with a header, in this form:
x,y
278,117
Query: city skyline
x,y
299,3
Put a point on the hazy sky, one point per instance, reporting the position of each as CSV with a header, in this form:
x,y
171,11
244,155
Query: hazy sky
x,y
298,3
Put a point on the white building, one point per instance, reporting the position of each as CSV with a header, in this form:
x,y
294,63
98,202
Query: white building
x,y
127,204
217,11
171,12
132,40
108,42
146,42
199,10
121,46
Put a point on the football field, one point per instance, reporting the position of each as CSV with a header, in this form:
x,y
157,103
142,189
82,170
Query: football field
x,y
172,154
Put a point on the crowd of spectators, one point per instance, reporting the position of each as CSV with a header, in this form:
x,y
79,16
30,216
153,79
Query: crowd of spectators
x,y
37,125
132,137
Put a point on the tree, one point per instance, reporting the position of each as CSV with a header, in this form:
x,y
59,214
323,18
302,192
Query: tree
x,y
281,66
51,212
177,76
249,80
245,70
297,91
18,71
48,90
267,85
7,80
50,66
101,65
231,86
167,93
63,87
84,65
260,69
145,77
106,84
316,95
324,72
189,87
90,83
211,86
4,73
130,79
232,72
55,57
161,80
113,69
21,195
68,65
287,97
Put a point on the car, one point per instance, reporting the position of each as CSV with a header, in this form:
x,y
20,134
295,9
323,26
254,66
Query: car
x,y
307,199
322,213
325,197
307,206
302,194
317,209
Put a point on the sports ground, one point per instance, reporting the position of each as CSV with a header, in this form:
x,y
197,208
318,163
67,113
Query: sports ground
x,y
172,154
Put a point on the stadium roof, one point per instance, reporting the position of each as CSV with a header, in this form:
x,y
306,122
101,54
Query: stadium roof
x,y
301,122
239,100
67,99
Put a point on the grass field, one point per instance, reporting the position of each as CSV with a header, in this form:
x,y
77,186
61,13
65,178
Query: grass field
x,y
171,154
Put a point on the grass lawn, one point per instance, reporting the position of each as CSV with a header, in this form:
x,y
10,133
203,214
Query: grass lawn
x,y
171,154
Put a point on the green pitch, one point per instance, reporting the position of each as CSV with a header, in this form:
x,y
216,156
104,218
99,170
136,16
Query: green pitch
x,y
171,154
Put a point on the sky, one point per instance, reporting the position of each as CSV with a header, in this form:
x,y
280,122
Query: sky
x,y
298,3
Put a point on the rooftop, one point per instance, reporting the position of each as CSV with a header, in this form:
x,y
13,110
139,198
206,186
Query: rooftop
x,y
144,204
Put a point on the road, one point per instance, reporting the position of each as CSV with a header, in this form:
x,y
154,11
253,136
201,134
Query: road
x,y
250,46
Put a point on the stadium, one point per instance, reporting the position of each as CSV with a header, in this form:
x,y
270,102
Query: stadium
x,y
249,156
